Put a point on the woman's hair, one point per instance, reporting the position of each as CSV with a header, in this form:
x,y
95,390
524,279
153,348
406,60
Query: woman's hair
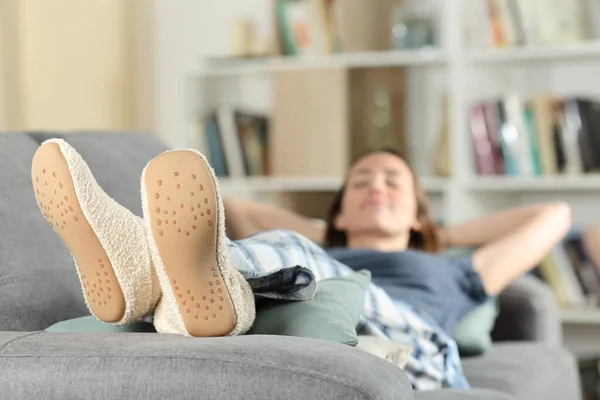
x,y
426,239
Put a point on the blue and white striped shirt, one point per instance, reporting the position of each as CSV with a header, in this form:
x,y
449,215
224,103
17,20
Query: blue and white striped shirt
x,y
285,265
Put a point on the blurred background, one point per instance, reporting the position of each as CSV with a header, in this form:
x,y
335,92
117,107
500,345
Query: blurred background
x,y
493,102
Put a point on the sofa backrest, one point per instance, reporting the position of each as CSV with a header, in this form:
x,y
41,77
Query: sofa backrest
x,y
38,281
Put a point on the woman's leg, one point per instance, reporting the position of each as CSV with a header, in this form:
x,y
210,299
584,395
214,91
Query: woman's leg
x,y
270,251
107,241
203,293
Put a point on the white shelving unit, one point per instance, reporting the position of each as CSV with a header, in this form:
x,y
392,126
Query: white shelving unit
x,y
457,64
467,75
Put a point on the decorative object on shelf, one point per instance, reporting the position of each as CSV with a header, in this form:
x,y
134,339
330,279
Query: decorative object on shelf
x,y
244,40
306,27
502,23
241,36
381,121
441,154
414,24
377,109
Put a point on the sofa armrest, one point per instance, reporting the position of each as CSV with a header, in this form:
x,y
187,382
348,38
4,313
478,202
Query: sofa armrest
x,y
153,366
528,311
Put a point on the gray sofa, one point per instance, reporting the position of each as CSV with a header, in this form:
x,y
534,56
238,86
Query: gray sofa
x,y
38,287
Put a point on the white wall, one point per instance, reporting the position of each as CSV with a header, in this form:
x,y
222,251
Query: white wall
x,y
187,31
3,121
75,65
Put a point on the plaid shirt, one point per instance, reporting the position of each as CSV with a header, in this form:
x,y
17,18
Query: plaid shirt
x,y
285,265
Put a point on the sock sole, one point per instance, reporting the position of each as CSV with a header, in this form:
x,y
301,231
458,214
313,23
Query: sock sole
x,y
57,199
182,208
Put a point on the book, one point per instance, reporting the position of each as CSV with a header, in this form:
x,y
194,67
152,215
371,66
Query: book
x,y
252,131
214,146
520,138
544,120
570,272
484,159
491,116
589,135
509,140
237,141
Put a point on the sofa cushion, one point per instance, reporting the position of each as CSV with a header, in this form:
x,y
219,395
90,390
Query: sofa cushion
x,y
526,371
136,366
473,333
471,394
332,314
38,281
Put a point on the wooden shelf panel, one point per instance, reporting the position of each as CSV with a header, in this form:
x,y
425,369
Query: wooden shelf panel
x,y
581,317
535,53
564,183
226,67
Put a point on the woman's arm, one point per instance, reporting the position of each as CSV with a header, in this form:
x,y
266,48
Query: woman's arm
x,y
489,228
511,242
245,218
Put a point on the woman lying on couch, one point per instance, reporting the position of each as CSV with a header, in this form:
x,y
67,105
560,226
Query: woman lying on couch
x,y
177,265
380,221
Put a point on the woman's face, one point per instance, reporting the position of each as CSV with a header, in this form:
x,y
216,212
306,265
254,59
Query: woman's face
x,y
379,197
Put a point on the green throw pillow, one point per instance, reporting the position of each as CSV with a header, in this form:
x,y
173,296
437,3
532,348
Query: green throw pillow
x,y
91,324
332,314
473,332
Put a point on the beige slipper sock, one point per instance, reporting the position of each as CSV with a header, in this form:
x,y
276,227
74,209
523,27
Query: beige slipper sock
x,y
203,295
107,241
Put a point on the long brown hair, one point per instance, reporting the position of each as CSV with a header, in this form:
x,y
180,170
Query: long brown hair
x,y
426,239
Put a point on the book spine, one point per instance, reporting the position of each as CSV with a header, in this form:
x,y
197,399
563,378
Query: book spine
x,y
484,159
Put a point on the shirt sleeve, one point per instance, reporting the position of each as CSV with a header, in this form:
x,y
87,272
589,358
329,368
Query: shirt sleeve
x,y
468,279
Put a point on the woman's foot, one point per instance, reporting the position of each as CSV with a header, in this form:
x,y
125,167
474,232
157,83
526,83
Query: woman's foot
x,y
202,294
107,241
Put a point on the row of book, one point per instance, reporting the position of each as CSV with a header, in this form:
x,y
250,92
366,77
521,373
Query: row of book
x,y
501,23
572,269
236,142
543,135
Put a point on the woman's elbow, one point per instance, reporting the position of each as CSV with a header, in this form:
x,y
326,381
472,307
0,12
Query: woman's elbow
x,y
560,213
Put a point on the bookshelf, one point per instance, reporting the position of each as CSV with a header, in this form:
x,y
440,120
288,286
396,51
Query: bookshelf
x,y
465,72
454,60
